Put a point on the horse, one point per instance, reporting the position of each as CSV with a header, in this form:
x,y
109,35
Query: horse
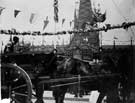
x,y
62,69
70,67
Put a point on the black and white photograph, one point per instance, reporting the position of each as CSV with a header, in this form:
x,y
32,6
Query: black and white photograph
x,y
67,51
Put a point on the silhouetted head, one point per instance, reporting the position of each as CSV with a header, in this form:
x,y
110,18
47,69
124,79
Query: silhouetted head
x,y
15,39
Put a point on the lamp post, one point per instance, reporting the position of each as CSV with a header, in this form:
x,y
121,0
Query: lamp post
x,y
114,44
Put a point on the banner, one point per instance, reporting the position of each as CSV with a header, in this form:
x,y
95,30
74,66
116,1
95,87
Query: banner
x,y
75,20
16,12
32,17
56,19
45,23
1,9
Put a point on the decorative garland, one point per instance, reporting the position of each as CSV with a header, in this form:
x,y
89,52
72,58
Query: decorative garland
x,y
105,28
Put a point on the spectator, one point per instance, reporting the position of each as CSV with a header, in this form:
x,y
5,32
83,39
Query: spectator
x,y
9,48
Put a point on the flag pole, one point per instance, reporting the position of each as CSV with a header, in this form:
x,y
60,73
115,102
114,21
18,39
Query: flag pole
x,y
1,47
42,37
55,16
54,46
44,26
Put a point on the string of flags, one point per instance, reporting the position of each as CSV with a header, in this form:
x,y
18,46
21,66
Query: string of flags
x,y
16,13
124,25
46,21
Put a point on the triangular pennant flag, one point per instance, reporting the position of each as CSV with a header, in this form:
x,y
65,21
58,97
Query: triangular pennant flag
x,y
63,20
1,9
45,23
16,12
32,17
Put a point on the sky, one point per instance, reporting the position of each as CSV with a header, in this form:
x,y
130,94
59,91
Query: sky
x,y
118,11
42,9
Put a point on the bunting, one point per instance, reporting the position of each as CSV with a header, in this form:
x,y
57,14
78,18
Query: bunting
x,y
45,23
1,9
32,17
16,12
56,19
124,25
63,20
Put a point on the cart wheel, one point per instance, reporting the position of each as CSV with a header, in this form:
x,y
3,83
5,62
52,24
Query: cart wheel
x,y
18,83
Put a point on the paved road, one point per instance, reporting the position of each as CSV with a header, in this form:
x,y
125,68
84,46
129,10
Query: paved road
x,y
68,98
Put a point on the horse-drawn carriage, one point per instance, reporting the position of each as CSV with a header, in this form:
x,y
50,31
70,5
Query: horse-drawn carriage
x,y
21,70
24,72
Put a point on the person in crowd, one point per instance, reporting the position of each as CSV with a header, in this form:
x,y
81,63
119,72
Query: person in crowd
x,y
10,47
53,62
